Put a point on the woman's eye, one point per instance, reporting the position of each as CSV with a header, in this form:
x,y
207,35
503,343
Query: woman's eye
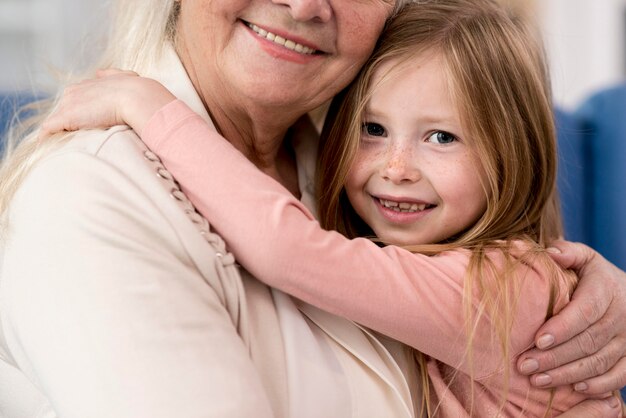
x,y
441,137
373,129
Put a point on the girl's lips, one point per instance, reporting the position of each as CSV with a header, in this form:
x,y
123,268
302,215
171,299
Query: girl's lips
x,y
402,212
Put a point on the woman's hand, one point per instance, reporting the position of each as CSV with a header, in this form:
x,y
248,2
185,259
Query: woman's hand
x,y
114,97
610,407
585,343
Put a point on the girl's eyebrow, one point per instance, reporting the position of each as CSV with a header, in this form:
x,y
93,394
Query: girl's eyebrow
x,y
368,111
447,119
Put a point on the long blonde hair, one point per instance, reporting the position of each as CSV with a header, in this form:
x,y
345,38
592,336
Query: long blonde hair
x,y
499,80
139,30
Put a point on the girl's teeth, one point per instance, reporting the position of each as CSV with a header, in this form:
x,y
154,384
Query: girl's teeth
x,y
287,43
402,206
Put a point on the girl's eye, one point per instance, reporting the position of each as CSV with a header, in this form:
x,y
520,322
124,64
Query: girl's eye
x,y
441,137
373,129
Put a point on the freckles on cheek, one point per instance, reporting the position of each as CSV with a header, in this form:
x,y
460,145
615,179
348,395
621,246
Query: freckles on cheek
x,y
367,157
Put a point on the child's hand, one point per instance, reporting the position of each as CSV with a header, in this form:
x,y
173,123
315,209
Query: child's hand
x,y
115,97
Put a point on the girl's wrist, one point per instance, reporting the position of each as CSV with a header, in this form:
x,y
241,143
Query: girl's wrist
x,y
147,98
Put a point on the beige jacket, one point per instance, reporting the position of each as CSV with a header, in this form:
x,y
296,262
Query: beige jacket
x,y
118,300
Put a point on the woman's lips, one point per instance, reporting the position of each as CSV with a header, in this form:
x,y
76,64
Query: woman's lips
x,y
282,46
279,40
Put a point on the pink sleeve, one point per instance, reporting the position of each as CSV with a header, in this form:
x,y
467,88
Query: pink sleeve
x,y
413,298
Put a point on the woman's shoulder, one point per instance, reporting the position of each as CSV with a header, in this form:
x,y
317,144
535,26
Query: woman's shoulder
x,y
103,197
107,177
113,156
118,147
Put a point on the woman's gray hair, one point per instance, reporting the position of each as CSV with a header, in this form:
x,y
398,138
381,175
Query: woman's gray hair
x,y
140,29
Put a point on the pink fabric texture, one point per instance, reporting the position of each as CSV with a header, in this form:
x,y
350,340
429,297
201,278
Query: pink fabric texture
x,y
413,298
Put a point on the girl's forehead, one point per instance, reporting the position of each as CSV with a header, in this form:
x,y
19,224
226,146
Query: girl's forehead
x,y
404,64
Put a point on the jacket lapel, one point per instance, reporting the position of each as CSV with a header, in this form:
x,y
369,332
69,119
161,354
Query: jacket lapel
x,y
366,348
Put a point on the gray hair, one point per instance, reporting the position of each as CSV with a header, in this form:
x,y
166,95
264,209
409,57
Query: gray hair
x,y
140,28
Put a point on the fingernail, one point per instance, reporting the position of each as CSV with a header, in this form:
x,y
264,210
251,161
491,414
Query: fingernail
x,y
613,402
545,341
581,387
529,366
542,380
553,250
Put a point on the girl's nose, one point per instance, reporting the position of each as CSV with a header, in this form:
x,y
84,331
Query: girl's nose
x,y
401,166
306,10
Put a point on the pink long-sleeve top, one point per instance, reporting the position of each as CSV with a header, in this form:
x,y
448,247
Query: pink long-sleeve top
x,y
413,298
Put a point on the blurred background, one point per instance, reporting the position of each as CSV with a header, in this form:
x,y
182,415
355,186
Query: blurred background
x,y
40,40
586,41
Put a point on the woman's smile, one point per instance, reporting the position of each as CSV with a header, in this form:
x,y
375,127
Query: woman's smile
x,y
286,41
282,45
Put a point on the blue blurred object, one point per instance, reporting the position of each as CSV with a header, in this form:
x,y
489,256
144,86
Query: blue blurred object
x,y
10,104
602,120
592,172
573,177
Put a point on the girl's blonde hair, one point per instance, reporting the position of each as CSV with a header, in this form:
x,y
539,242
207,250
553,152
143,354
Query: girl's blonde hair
x,y
499,81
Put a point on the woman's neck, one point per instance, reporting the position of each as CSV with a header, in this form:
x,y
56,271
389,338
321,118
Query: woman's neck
x,y
262,139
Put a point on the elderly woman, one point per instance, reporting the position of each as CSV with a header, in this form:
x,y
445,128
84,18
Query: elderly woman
x,y
119,300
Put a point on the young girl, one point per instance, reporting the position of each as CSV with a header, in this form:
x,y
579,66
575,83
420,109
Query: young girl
x,y
438,170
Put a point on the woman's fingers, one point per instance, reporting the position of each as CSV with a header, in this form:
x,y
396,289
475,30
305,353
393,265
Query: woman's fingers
x,y
615,377
588,337
607,365
597,288
595,408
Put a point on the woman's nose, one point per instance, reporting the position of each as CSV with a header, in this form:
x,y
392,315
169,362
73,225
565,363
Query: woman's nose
x,y
306,10
400,166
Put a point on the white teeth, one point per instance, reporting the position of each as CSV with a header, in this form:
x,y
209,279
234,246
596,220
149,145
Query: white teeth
x,y
402,206
287,43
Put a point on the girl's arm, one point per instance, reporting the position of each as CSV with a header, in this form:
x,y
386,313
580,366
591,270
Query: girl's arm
x,y
413,298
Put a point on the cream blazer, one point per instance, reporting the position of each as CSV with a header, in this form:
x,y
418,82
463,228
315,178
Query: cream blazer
x,y
117,299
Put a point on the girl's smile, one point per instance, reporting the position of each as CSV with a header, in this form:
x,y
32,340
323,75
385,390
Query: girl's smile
x,y
402,210
415,178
